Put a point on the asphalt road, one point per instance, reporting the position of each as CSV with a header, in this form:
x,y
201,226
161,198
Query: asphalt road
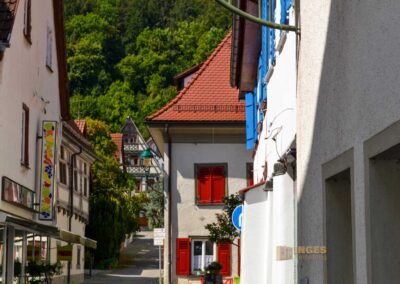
x,y
138,264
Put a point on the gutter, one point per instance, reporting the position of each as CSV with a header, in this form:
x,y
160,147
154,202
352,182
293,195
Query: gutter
x,y
169,197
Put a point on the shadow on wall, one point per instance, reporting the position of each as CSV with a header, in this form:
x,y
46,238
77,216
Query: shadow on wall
x,y
357,97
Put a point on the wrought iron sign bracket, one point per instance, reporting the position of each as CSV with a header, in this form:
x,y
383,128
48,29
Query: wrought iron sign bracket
x,y
228,5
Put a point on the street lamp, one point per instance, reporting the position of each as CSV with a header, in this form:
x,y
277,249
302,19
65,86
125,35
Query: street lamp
x,y
145,157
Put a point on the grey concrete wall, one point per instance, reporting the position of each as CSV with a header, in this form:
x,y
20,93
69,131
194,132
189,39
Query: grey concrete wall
x,y
385,226
348,83
339,237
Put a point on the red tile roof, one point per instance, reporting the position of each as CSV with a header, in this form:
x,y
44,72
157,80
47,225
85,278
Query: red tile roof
x,y
208,96
117,138
81,123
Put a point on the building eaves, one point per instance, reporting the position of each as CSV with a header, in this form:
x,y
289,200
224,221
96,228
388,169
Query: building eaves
x,y
198,92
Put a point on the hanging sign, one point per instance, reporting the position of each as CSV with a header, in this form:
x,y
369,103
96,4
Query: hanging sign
x,y
159,236
64,253
47,170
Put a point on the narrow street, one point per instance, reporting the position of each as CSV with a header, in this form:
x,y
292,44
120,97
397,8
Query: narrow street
x,y
138,264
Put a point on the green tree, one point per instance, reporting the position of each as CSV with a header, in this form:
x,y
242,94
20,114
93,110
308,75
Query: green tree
x,y
155,206
113,211
222,230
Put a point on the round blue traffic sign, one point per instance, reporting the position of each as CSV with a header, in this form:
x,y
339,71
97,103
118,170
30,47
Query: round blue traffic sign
x,y
237,217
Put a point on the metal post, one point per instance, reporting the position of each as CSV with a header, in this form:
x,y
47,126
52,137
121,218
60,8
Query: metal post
x,y
159,261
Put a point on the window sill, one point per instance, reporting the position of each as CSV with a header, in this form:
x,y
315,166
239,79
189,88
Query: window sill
x,y
209,204
25,165
50,69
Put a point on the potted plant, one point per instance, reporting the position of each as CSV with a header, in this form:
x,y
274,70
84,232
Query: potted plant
x,y
212,275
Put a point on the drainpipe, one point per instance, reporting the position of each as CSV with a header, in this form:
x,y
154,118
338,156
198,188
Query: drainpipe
x,y
71,201
169,197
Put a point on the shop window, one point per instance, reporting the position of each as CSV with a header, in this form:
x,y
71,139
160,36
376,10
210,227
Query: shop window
x,y
210,184
2,246
78,258
25,136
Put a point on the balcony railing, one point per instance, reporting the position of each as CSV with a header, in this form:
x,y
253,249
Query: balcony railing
x,y
133,147
140,171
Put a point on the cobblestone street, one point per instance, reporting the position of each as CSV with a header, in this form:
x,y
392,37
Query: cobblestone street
x,y
139,264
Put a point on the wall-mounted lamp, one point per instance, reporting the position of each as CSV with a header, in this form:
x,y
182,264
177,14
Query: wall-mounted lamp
x,y
279,168
269,185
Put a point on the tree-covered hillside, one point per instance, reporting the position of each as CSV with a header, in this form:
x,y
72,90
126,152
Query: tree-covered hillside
x,y
123,54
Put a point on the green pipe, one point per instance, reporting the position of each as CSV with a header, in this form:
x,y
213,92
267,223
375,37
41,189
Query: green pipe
x,y
256,20
269,10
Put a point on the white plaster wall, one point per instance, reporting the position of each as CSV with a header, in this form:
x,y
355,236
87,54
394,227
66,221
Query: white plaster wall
x,y
22,74
189,219
347,93
254,238
278,208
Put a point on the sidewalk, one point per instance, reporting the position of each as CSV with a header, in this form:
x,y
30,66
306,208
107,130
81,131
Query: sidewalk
x,y
138,264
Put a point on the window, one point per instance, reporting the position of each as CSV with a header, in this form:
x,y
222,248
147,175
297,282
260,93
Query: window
x,y
194,255
75,174
202,254
80,177
211,183
63,167
249,174
78,258
49,52
25,136
85,179
27,20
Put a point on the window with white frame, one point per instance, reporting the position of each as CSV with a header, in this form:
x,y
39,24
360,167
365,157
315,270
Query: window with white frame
x,y
80,176
203,252
85,179
63,173
49,51
76,183
25,136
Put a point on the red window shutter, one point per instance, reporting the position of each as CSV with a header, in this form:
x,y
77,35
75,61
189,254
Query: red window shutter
x,y
218,184
239,257
204,185
224,258
183,256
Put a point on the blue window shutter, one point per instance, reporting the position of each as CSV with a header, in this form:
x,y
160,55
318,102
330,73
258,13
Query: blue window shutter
x,y
265,36
250,122
273,33
285,6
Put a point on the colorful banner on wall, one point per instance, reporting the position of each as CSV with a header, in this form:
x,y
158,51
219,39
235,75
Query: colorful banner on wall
x,y
47,172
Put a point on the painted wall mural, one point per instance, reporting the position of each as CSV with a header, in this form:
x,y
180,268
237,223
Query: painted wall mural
x,y
47,172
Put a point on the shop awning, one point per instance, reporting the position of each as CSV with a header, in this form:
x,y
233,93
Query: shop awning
x,y
69,237
29,225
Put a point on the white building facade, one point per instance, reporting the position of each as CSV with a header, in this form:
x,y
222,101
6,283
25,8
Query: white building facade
x,y
75,159
33,101
201,134
267,81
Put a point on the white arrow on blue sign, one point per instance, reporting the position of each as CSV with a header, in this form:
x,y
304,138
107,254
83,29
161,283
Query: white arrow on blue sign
x,y
237,217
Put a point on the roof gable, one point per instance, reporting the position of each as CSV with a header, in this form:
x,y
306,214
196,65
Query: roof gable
x,y
208,96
